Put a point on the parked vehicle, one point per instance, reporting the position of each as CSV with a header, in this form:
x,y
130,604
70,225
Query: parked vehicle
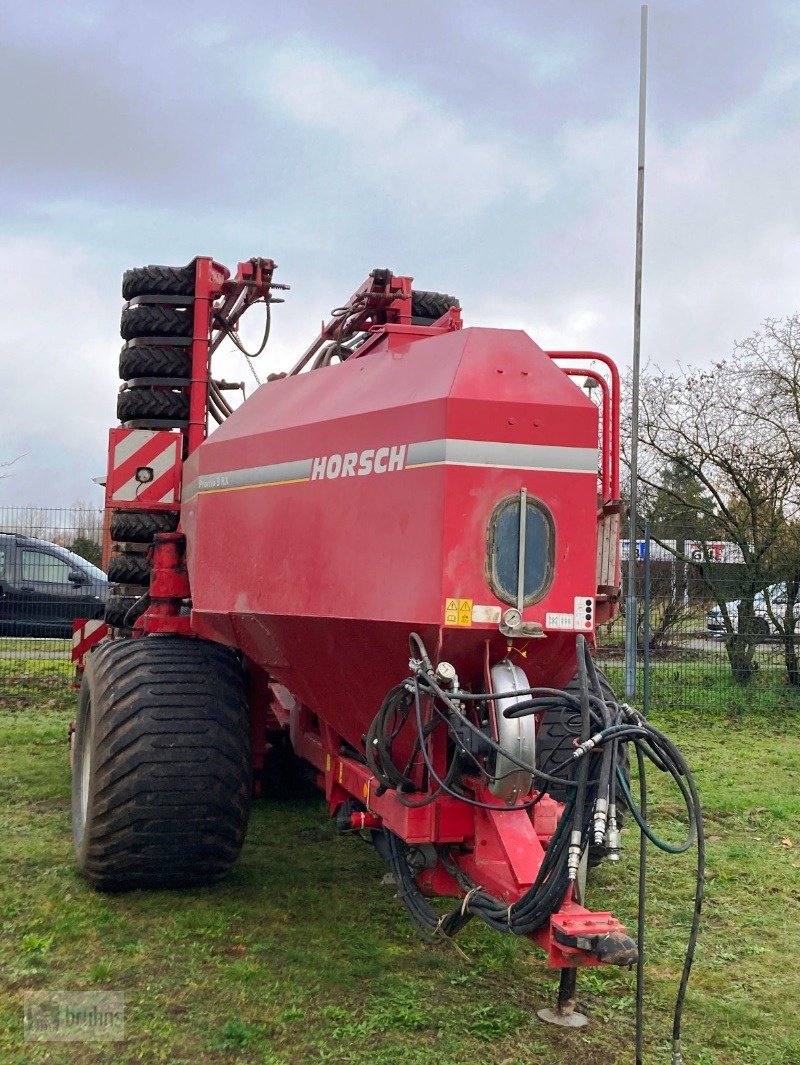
x,y
44,587
772,598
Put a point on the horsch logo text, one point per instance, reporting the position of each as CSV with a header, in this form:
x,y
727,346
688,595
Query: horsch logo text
x,y
359,463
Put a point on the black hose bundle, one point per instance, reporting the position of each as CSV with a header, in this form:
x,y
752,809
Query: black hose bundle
x,y
592,776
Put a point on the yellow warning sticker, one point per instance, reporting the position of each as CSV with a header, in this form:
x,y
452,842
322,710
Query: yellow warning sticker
x,y
457,611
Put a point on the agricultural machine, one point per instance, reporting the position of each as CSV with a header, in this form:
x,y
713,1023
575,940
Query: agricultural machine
x,y
390,561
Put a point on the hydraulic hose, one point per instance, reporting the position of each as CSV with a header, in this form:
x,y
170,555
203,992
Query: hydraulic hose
x,y
606,728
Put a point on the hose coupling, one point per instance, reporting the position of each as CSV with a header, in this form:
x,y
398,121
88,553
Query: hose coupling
x,y
613,836
587,745
631,714
600,820
574,855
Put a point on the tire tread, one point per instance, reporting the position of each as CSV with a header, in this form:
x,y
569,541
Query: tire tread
x,y
146,404
158,281
431,305
127,568
141,526
170,786
154,320
154,360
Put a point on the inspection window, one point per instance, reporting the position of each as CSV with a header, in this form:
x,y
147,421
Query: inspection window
x,y
504,554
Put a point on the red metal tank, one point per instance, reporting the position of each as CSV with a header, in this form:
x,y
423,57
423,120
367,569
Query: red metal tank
x,y
338,510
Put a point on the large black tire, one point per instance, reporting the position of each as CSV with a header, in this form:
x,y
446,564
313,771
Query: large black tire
x,y
141,526
158,281
153,320
117,607
162,776
428,306
147,360
144,404
125,567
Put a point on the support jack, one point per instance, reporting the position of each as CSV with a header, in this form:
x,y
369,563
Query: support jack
x,y
565,1014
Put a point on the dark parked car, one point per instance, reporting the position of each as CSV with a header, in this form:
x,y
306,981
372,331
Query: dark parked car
x,y
44,587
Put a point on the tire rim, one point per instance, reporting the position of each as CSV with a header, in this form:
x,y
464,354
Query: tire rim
x,y
85,764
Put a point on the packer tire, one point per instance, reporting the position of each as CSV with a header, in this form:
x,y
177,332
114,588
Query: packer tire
x,y
158,281
554,739
555,742
117,606
141,526
428,306
144,403
153,320
154,361
128,568
162,777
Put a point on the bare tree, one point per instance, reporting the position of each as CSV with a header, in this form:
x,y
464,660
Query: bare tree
x,y
706,419
4,466
767,365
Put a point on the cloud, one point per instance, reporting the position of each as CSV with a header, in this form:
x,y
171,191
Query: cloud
x,y
491,155
388,137
59,357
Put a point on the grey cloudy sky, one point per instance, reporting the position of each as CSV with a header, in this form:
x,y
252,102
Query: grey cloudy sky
x,y
488,149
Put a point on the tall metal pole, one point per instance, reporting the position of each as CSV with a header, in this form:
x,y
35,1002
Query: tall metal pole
x,y
630,591
646,621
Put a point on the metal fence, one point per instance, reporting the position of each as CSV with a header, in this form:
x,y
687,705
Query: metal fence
x,y
705,642
712,634
49,574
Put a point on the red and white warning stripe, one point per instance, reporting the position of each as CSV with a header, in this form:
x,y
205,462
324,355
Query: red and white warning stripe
x,y
144,467
85,634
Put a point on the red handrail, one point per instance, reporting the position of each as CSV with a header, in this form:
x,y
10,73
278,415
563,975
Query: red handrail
x,y
574,371
589,356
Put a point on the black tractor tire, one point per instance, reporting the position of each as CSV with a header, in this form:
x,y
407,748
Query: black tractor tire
x,y
153,320
146,360
162,774
141,526
145,404
125,567
117,607
158,281
428,306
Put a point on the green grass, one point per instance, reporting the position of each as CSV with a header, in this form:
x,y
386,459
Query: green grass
x,y
303,955
690,688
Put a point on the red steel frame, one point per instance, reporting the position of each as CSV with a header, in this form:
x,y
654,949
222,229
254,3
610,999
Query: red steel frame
x,y
209,281
169,585
505,848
